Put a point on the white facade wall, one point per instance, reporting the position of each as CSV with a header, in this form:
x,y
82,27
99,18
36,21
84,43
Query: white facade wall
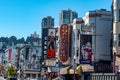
x,y
76,39
101,37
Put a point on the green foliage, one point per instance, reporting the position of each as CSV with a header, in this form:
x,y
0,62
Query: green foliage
x,y
10,71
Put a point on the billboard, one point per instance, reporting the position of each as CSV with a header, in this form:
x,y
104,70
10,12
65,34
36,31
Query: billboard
x,y
51,43
63,51
85,49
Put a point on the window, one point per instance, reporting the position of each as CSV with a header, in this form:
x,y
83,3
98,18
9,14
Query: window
x,y
45,42
114,40
118,39
117,3
78,34
117,15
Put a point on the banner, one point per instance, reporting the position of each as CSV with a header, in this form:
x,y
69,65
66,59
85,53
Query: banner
x,y
51,43
44,42
63,52
85,49
87,28
10,55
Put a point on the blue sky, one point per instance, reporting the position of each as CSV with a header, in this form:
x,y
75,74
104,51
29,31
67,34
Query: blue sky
x,y
23,17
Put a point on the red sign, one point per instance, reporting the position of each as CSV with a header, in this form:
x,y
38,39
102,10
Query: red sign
x,y
51,43
64,43
10,54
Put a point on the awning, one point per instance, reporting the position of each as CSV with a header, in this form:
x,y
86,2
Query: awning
x,y
71,71
64,70
31,71
87,68
81,68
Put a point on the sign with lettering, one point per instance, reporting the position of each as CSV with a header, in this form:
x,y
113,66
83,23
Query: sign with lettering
x,y
64,41
50,62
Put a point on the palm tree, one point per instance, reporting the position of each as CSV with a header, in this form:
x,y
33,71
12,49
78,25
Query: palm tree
x,y
10,71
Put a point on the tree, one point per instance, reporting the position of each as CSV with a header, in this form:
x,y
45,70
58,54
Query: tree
x,y
10,71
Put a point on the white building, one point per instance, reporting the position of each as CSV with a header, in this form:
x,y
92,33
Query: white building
x,y
101,20
76,38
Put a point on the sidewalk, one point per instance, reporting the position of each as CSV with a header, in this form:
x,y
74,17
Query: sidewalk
x,y
2,78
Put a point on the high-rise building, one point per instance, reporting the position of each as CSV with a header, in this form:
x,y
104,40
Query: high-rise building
x,y
67,16
116,33
47,22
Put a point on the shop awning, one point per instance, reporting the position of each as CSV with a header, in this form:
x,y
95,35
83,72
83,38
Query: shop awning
x,y
64,70
81,68
87,68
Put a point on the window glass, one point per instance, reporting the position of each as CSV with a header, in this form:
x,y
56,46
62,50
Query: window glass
x,y
116,15
118,39
115,40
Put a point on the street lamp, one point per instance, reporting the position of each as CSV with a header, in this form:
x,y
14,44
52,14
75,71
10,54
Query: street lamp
x,y
74,66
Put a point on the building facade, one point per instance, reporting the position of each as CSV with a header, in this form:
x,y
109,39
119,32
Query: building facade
x,y
76,38
67,16
116,34
46,23
29,61
101,21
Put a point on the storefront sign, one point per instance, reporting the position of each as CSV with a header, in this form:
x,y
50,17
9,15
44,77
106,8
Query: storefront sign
x,y
87,28
64,41
50,62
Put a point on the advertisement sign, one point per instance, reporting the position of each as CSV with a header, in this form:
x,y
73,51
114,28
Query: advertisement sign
x,y
85,49
50,62
87,28
10,54
63,53
44,42
51,43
